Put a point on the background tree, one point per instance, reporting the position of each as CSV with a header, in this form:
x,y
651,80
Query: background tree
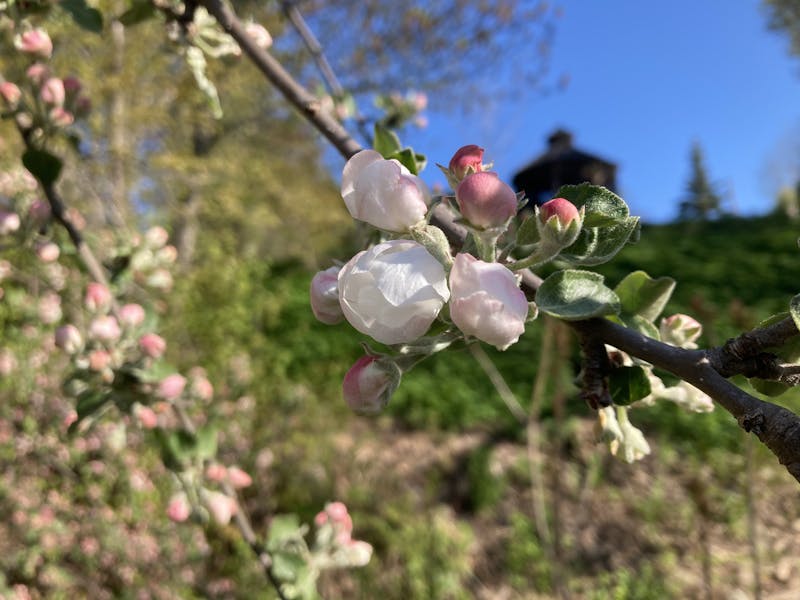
x,y
702,200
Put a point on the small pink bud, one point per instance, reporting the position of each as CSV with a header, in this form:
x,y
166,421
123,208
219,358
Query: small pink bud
x,y
35,42
156,237
60,117
152,345
260,35
680,330
369,384
39,210
69,339
10,93
98,297
466,160
216,472
99,360
325,296
52,92
72,85
104,328
9,222
485,201
171,387
238,478
147,417
179,508
37,73
561,208
221,506
50,308
131,315
202,388
47,252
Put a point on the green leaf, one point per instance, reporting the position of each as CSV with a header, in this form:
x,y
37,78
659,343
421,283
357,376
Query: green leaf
x,y
138,13
44,166
408,159
642,295
386,141
628,384
528,232
282,528
637,323
177,448
602,206
794,310
85,16
207,442
596,245
574,295
286,565
768,388
90,401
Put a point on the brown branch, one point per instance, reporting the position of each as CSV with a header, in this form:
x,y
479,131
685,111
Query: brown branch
x,y
777,427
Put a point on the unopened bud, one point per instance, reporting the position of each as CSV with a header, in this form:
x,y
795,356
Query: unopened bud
x,y
10,93
325,296
467,160
35,41
370,383
171,387
485,201
152,345
69,339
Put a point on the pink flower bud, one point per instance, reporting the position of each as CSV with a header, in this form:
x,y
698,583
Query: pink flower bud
x,y
50,308
485,201
238,478
466,160
357,553
179,508
369,384
37,73
156,237
259,34
61,117
98,297
325,296
10,93
131,315
39,210
35,42
47,252
171,387
9,222
72,85
152,345
221,506
562,209
104,329
99,360
52,92
680,330
216,472
69,339
202,388
147,417
486,301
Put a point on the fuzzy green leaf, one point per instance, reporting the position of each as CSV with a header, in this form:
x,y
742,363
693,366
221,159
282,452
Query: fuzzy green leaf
x,y
603,207
628,384
597,245
574,295
386,141
85,16
642,295
794,310
528,232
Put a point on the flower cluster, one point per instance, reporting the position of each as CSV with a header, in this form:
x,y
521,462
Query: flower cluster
x,y
407,284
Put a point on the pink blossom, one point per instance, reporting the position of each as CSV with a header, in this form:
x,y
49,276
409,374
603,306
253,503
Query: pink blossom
x,y
171,387
152,345
61,117
104,328
155,237
485,200
561,208
98,297
179,508
680,330
35,41
69,339
131,315
147,417
325,296
10,93
47,252
221,506
50,308
216,472
369,384
202,388
99,360
9,222
239,478
52,92
167,255
486,301
467,160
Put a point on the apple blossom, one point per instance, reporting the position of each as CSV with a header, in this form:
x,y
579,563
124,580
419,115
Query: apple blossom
x,y
260,35
357,553
152,345
99,360
104,328
238,478
172,386
52,92
156,237
35,41
369,384
383,192
61,117
325,296
47,252
147,417
467,160
485,200
202,388
9,222
393,291
50,308
216,472
680,330
561,208
69,339
10,93
98,297
179,508
486,301
220,506
131,315
37,73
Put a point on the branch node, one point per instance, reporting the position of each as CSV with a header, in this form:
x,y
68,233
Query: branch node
x,y
753,422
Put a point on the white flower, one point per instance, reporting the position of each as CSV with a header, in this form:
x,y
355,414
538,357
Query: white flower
x,y
621,434
393,291
383,192
486,301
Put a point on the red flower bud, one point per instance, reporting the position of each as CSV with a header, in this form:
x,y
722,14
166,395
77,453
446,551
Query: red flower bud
x,y
561,208
466,160
485,201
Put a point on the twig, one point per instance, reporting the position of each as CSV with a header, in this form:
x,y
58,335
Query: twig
x,y
499,383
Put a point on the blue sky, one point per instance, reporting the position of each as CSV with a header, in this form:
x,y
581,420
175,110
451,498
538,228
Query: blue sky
x,y
646,80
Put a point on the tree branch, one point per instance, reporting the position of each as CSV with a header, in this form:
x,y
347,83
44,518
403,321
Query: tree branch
x,y
777,427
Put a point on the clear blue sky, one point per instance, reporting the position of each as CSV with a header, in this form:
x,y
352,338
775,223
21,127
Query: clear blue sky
x,y
647,79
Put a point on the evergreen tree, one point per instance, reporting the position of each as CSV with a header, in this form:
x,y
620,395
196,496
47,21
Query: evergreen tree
x,y
702,200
